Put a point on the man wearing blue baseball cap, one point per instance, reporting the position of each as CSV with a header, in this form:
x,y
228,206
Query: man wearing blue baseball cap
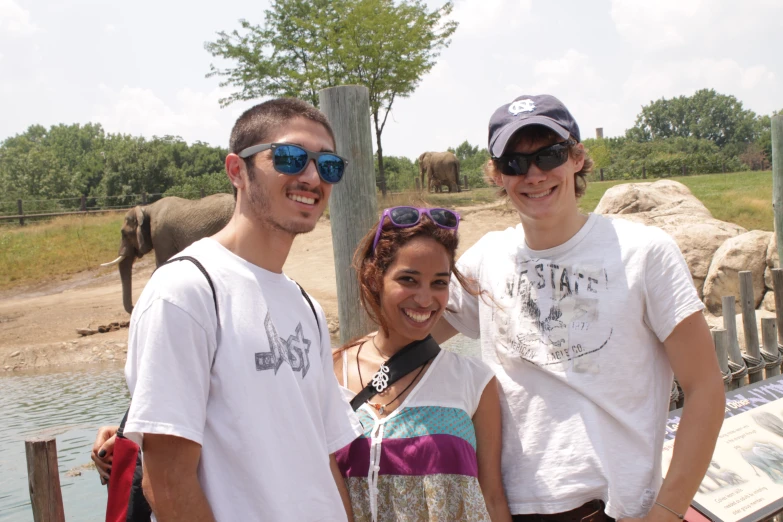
x,y
585,320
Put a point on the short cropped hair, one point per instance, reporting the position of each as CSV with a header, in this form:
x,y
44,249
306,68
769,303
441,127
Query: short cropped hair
x,y
539,133
257,124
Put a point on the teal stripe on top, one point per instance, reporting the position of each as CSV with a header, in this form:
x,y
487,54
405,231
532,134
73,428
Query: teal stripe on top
x,y
424,420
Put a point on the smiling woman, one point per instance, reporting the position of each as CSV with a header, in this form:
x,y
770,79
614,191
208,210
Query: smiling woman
x,y
430,450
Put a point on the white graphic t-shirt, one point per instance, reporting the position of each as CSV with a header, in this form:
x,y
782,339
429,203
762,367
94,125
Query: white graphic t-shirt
x,y
574,335
258,393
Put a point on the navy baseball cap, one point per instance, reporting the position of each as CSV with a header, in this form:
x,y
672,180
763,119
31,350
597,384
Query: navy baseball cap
x,y
527,110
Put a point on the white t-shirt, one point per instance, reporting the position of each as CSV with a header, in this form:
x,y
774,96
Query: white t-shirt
x,y
267,413
574,335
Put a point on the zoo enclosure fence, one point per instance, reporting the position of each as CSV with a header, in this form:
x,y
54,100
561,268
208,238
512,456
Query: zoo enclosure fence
x,y
30,209
761,358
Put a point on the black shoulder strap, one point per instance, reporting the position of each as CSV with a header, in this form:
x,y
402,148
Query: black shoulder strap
x,y
312,307
400,364
206,274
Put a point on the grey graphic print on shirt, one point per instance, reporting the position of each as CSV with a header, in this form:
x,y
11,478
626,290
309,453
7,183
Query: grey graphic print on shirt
x,y
549,313
295,350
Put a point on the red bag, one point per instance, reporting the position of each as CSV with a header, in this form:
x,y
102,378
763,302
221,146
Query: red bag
x,y
126,501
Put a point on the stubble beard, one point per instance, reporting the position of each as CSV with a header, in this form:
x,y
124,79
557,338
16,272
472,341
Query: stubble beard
x,y
261,208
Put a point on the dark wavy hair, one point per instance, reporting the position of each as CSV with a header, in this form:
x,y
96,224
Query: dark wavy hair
x,y
371,265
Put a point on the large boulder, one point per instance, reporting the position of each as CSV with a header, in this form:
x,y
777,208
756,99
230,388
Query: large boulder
x,y
670,206
747,251
633,198
768,303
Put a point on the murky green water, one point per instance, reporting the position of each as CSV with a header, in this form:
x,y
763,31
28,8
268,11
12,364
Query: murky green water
x,y
69,405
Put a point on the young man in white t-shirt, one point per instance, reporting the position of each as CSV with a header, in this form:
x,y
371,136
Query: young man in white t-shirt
x,y
235,402
583,318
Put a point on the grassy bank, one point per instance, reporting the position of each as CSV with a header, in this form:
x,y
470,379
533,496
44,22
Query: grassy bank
x,y
744,198
57,248
67,245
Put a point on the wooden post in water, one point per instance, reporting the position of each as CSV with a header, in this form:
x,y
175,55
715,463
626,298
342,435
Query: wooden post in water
x,y
777,285
747,303
44,480
730,324
777,186
352,208
769,340
721,340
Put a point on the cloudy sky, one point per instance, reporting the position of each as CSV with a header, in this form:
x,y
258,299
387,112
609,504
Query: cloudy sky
x,y
139,68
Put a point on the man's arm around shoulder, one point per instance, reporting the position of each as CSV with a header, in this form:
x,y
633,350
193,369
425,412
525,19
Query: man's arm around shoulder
x,y
170,480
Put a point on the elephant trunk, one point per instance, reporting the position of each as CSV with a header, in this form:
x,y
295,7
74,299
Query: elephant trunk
x,y
126,266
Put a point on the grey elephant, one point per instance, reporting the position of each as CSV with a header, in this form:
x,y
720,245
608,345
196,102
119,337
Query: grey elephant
x,y
168,225
440,168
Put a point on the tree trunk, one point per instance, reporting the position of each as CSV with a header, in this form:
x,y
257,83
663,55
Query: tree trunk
x,y
126,267
381,176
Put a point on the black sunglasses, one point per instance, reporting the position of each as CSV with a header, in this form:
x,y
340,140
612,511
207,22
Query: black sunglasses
x,y
292,159
548,158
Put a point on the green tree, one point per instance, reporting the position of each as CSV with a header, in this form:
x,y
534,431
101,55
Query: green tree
x,y
308,45
706,115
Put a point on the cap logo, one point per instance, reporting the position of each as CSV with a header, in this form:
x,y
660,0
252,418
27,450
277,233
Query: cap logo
x,y
521,106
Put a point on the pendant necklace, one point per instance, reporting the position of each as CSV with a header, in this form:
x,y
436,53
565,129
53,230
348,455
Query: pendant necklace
x,y
383,379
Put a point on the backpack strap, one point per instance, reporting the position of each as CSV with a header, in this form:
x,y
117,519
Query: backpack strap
x,y
206,274
312,307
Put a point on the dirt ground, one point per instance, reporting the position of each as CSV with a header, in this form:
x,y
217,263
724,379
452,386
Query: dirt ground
x,y
38,324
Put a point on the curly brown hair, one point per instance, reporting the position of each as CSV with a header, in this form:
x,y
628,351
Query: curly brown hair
x,y
538,134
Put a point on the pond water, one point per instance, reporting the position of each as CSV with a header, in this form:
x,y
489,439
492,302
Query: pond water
x,y
70,404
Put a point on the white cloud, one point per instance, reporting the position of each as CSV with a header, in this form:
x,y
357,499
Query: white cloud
x,y
572,69
647,82
193,115
110,28
478,16
14,20
668,24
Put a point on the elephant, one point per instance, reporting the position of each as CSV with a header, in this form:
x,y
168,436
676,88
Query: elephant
x,y
168,225
441,168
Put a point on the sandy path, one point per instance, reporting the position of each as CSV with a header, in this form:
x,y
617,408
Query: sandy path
x,y
38,325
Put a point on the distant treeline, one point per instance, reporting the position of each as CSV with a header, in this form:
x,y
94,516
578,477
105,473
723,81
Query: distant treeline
x,y
65,162
706,132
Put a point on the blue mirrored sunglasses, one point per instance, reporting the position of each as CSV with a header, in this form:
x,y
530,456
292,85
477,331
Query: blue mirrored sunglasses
x,y
292,160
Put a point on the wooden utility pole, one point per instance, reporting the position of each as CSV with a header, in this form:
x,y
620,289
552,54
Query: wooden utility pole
x,y
777,181
44,480
353,208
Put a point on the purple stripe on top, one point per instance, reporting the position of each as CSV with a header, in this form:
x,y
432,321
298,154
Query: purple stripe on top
x,y
427,455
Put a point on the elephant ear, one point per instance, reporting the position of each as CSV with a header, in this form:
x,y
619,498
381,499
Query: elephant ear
x,y
143,236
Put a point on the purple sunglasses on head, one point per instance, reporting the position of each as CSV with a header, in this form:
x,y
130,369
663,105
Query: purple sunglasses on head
x,y
404,217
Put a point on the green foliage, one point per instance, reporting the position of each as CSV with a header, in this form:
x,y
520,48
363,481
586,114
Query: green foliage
x,y
471,163
624,158
51,169
194,187
308,45
707,115
401,173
